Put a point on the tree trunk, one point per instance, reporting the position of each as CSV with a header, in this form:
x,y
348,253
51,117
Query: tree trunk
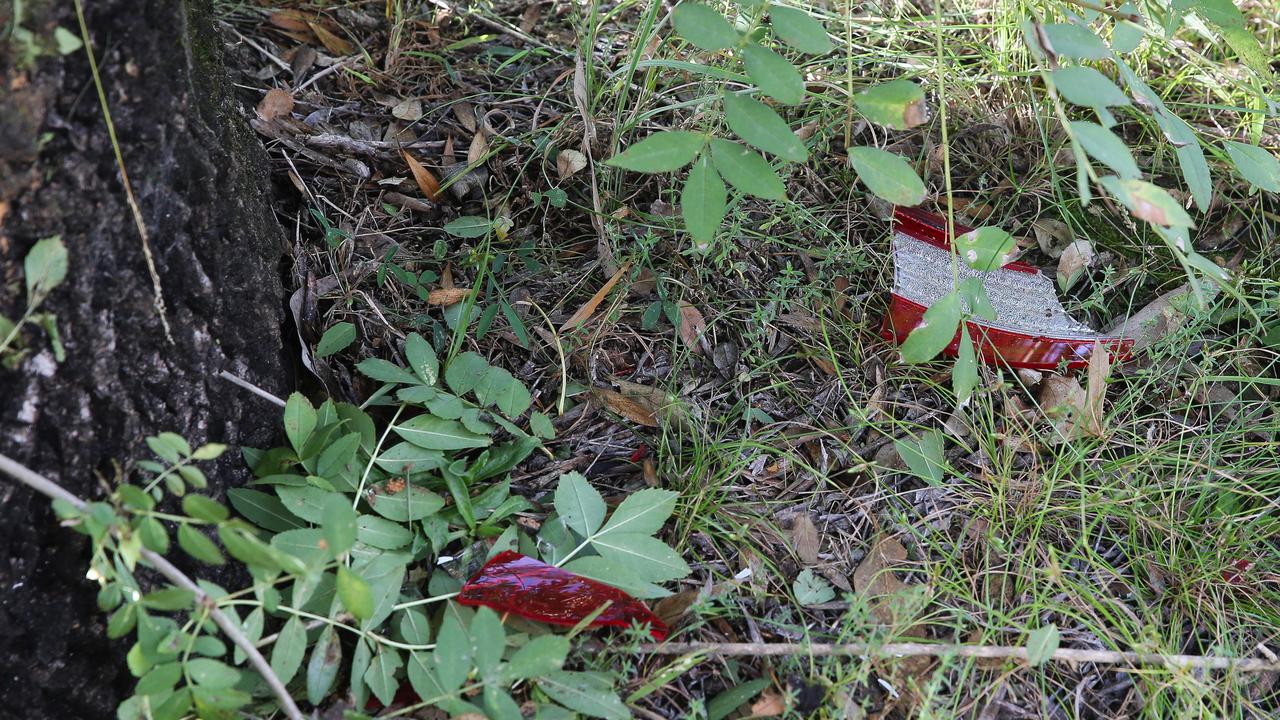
x,y
202,183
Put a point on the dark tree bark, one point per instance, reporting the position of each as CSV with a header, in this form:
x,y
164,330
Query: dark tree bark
x,y
202,183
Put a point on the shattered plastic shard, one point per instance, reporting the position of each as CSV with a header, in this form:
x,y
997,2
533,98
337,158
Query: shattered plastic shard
x,y
1031,329
521,585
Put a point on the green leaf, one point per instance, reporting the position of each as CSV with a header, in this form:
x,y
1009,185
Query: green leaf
x,y
154,537
361,658
935,332
539,656
642,512
265,511
406,458
299,420
170,598
646,557
308,545
1235,29
45,266
1256,165
1085,86
812,589
354,593
336,338
1195,170
384,575
304,501
578,504
464,372
761,127
703,26
1105,147
248,549
775,76
887,175
411,503
387,372
204,508
335,458
723,705
468,226
898,104
703,202
1148,202
1075,41
501,388
541,426
381,533
422,358
422,676
160,679
589,693
986,248
923,456
290,647
414,627
799,30
66,41
452,653
665,151
198,546
488,640
212,674
747,171
322,669
381,675
433,433
1042,644
1127,36
964,376
338,523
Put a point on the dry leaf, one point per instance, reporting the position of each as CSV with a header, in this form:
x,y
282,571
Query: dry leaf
x,y
276,103
770,704
426,181
673,607
1075,259
804,538
916,113
1063,401
632,408
569,162
447,296
1096,393
331,42
478,149
290,20
692,327
409,110
530,17
589,307
1053,236
875,578
466,114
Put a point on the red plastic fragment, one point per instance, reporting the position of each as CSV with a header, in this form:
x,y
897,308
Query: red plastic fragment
x,y
1016,347
518,584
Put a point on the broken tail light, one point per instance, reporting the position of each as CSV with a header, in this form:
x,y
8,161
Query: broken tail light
x,y
1031,329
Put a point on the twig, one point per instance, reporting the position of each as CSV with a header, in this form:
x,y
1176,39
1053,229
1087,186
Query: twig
x,y
335,67
234,380
124,177
889,650
47,487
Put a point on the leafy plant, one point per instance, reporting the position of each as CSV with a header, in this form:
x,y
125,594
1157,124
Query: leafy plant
x,y
345,533
44,268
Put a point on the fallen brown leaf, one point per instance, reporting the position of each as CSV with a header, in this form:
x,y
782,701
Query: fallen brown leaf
x,y
290,20
635,409
1063,401
409,110
1096,393
804,538
276,103
770,704
426,181
875,578
466,114
589,307
916,113
1053,236
331,42
569,162
1075,259
692,326
478,149
447,296
673,607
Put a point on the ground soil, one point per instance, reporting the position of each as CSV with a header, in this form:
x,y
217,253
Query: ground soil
x,y
199,177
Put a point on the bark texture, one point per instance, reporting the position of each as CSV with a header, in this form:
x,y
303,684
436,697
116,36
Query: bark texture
x,y
202,183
